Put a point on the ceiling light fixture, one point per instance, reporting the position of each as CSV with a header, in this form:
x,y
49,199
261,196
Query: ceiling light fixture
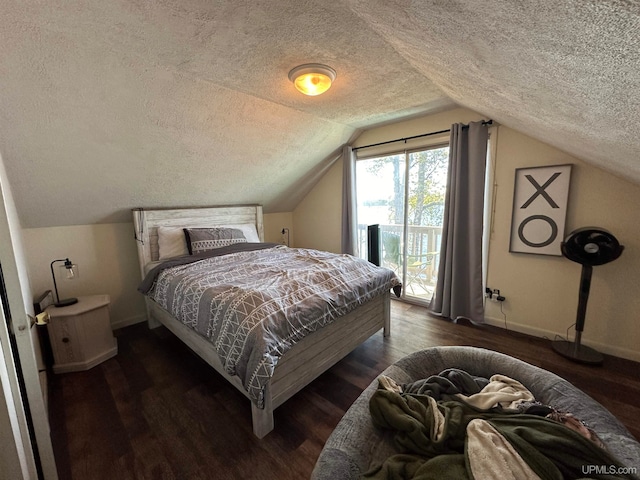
x,y
312,78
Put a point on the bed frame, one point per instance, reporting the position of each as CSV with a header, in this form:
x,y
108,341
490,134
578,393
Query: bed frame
x,y
306,360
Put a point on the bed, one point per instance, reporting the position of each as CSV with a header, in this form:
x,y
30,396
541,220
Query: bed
x,y
302,361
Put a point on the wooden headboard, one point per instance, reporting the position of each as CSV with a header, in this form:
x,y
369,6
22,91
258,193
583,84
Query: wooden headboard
x,y
147,220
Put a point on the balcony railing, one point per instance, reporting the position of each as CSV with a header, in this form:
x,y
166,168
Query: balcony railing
x,y
419,268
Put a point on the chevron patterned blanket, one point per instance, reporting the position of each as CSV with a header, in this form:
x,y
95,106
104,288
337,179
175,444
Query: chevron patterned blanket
x,y
253,305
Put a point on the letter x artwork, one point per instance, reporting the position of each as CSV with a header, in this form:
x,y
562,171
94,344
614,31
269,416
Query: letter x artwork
x,y
539,209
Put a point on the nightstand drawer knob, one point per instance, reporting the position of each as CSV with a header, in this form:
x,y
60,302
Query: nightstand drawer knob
x,y
65,340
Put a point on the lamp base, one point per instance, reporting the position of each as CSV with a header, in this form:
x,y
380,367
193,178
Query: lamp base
x,y
577,352
66,302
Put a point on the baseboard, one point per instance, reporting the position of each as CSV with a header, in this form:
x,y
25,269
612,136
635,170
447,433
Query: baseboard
x,y
542,333
128,321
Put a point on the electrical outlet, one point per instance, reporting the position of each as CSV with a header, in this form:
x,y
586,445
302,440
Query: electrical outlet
x,y
494,295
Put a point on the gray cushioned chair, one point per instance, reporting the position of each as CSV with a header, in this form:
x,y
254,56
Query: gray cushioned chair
x,y
355,444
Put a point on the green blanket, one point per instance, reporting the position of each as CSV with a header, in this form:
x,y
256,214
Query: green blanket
x,y
551,450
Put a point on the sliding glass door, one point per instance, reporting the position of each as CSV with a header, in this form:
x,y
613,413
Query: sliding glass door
x,y
404,194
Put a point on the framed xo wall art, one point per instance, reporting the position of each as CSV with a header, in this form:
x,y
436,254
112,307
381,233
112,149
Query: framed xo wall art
x,y
539,209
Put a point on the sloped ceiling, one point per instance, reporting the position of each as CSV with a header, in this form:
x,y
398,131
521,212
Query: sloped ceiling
x,y
105,106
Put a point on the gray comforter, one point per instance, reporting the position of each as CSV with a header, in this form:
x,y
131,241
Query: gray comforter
x,y
254,303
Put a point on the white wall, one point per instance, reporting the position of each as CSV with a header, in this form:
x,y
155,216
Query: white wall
x,y
273,225
541,291
107,261
317,219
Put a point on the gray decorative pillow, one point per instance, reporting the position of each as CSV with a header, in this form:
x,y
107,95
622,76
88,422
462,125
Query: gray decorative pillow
x,y
203,239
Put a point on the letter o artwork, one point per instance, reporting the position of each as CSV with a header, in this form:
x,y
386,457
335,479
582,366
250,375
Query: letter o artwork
x,y
548,241
539,209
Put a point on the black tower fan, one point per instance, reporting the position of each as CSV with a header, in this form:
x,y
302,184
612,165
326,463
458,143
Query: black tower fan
x,y
587,246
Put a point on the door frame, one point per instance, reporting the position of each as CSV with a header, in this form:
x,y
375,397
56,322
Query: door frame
x,y
39,463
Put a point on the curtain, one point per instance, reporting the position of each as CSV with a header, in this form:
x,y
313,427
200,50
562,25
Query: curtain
x,y
458,290
349,221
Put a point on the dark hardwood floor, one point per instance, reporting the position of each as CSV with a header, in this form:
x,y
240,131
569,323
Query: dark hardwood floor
x,y
156,411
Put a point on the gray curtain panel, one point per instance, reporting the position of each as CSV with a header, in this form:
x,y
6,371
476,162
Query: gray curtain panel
x,y
349,220
459,288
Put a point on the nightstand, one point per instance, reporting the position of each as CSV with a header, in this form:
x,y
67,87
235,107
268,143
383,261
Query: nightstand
x,y
81,335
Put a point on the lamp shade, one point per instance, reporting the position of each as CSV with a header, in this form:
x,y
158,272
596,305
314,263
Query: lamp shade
x,y
312,78
69,271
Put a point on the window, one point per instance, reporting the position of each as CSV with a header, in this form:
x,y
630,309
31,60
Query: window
x,y
404,193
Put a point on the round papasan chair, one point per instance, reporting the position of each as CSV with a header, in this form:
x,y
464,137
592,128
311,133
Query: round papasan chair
x,y
356,445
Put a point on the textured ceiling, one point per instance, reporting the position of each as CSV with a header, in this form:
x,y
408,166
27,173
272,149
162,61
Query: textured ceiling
x,y
105,106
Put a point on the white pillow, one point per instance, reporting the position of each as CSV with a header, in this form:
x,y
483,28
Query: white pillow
x,y
172,242
248,229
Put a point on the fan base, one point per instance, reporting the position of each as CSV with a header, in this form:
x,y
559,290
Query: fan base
x,y
577,352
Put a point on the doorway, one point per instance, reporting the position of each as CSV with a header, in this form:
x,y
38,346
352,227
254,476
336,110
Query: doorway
x,y
404,193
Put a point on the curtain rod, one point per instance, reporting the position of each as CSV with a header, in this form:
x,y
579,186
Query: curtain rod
x,y
484,122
